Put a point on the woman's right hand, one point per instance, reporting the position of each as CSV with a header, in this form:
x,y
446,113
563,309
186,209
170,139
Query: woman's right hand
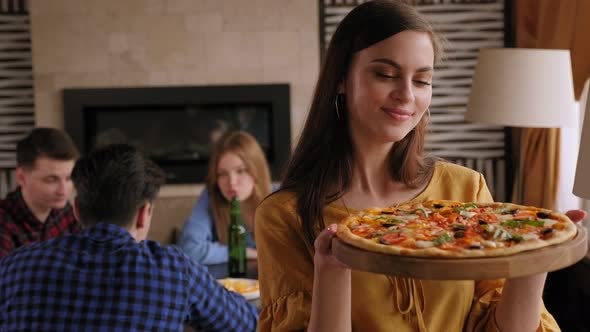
x,y
576,215
332,287
323,257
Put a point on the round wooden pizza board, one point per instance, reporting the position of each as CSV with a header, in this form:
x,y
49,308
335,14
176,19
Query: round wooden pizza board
x,y
525,263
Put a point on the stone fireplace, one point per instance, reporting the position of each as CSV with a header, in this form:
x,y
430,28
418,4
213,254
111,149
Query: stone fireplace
x,y
176,125
107,44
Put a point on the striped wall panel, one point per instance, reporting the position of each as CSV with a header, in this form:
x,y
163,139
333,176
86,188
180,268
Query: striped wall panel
x,y
19,7
468,26
17,115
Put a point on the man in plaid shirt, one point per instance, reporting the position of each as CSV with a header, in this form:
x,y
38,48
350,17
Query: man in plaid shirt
x,y
39,209
108,277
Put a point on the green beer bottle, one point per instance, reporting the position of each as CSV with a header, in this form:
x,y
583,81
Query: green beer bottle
x,y
236,242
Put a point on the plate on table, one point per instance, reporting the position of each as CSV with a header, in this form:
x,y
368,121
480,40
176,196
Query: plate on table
x,y
248,288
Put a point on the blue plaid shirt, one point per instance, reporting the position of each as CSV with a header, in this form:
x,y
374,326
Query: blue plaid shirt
x,y
103,280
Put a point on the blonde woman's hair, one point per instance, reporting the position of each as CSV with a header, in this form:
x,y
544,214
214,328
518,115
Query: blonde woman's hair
x,y
247,148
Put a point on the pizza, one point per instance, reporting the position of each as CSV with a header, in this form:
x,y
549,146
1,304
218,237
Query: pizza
x,y
452,229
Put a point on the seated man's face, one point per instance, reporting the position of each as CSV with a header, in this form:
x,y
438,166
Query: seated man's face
x,y
48,183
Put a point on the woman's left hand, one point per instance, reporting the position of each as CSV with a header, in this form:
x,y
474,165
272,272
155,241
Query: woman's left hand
x,y
576,215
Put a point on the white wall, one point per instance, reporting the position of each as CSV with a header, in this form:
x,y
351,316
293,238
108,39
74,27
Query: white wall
x,y
135,43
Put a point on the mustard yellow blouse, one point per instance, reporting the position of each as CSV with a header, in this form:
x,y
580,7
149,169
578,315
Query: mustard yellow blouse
x,y
379,302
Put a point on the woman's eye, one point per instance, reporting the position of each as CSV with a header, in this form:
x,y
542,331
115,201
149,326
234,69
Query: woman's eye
x,y
384,75
423,83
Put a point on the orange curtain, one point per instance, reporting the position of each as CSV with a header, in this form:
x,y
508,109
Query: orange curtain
x,y
550,24
541,167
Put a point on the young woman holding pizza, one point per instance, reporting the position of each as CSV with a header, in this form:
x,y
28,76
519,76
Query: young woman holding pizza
x,y
362,146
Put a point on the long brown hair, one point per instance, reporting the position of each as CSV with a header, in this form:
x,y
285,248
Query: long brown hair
x,y
247,148
320,168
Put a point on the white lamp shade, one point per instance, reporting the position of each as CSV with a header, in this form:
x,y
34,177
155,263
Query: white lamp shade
x,y
582,181
519,87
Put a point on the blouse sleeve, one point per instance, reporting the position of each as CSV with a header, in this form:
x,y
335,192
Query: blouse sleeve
x,y
483,193
197,238
285,267
487,294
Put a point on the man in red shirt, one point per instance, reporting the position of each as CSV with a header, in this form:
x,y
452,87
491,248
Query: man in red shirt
x,y
39,208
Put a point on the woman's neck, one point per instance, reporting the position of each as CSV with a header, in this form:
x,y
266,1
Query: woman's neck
x,y
372,183
371,169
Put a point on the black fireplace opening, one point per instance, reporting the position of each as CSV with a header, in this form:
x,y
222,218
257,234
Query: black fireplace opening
x,y
177,126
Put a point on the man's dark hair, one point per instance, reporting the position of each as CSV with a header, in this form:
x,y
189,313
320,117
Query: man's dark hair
x,y
45,142
113,182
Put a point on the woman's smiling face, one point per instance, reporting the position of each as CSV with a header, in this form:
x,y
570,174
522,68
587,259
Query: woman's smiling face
x,y
388,86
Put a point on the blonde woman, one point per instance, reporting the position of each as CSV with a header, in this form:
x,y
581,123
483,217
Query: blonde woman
x,y
237,167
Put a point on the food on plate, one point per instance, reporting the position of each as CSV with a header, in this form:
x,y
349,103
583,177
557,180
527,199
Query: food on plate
x,y
242,286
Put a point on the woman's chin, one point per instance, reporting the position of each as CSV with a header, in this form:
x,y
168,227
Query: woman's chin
x,y
395,136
